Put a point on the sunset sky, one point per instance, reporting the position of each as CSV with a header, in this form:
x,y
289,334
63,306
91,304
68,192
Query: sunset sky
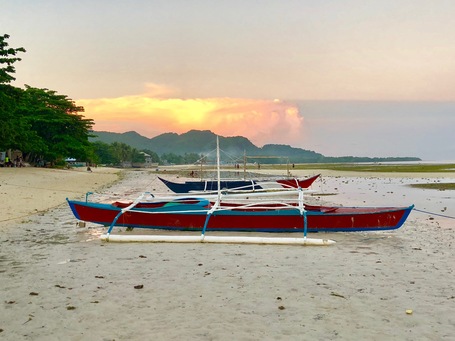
x,y
347,77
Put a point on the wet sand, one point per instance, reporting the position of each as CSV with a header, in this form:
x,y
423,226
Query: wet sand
x,y
60,282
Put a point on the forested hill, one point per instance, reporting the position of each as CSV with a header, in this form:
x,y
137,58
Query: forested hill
x,y
204,141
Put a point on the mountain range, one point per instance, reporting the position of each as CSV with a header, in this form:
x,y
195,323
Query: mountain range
x,y
204,141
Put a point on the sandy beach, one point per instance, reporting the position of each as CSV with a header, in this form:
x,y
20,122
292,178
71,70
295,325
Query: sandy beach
x,y
29,190
58,281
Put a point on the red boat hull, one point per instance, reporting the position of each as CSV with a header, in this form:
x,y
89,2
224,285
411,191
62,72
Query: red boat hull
x,y
298,183
261,220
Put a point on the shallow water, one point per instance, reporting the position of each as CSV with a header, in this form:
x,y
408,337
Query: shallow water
x,y
378,191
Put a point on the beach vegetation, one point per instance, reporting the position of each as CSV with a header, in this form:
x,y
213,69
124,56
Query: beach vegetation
x,y
8,57
56,125
9,95
44,125
382,167
116,154
176,159
125,153
402,167
154,156
440,186
103,154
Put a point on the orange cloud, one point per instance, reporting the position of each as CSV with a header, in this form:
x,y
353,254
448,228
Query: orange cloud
x,y
150,114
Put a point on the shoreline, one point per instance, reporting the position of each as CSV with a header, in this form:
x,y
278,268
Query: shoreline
x,y
27,191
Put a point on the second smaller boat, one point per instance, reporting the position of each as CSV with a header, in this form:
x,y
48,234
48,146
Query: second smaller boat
x,y
211,186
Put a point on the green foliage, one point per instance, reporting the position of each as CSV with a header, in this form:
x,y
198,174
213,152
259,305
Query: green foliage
x,y
7,60
381,168
12,128
10,132
103,154
121,151
190,158
346,159
185,159
116,153
171,158
41,123
57,130
137,156
153,155
438,186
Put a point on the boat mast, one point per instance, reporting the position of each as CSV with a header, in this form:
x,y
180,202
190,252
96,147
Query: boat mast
x,y
244,164
218,167
202,161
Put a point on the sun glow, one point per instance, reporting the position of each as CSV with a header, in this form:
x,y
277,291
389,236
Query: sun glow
x,y
150,114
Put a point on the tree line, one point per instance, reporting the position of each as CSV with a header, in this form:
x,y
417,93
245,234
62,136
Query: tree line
x,y
48,127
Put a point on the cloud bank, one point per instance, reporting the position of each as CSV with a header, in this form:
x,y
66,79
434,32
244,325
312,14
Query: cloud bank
x,y
157,111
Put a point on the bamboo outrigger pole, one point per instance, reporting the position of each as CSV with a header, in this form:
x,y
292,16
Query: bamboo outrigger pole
x,y
218,240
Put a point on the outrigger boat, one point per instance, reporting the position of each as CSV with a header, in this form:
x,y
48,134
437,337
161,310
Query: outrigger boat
x,y
196,214
210,186
201,214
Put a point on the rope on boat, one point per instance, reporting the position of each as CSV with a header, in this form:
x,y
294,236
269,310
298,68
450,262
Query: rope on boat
x,y
432,213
